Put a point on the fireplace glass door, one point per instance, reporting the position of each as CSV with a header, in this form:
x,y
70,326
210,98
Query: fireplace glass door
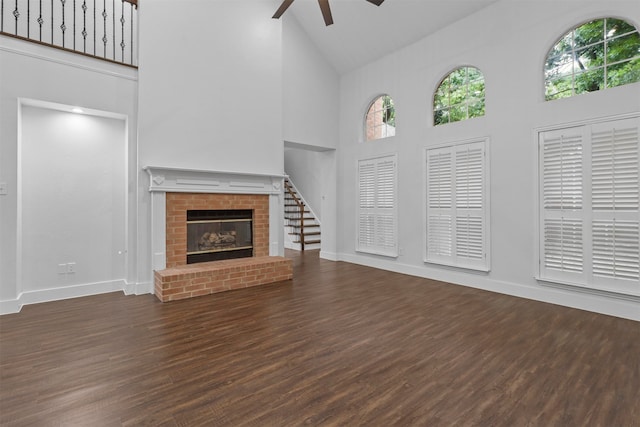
x,y
214,235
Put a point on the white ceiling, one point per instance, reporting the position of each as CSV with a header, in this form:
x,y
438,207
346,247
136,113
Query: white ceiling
x,y
363,32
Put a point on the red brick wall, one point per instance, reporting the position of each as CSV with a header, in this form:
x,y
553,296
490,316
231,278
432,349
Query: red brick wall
x,y
179,203
374,120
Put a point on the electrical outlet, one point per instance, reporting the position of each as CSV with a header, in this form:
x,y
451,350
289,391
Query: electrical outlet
x,y
62,268
71,268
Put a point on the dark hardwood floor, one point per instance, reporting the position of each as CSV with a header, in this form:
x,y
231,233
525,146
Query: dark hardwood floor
x,y
340,345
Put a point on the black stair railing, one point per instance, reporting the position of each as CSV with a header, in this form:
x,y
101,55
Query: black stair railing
x,y
104,29
300,205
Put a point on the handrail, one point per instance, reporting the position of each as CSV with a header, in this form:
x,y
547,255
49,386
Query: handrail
x,y
102,29
292,193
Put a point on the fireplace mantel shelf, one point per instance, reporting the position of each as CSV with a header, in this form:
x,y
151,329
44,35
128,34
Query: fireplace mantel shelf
x,y
169,179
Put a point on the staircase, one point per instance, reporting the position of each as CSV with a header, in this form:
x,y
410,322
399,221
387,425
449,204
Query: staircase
x,y
301,225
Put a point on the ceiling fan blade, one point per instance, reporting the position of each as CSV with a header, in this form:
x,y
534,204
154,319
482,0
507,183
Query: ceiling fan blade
x,y
284,6
326,12
376,2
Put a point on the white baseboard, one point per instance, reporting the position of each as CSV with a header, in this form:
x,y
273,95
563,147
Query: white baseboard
x,y
140,288
331,256
613,305
55,294
10,306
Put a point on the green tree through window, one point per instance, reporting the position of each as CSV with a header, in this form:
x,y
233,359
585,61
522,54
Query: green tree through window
x,y
594,56
459,96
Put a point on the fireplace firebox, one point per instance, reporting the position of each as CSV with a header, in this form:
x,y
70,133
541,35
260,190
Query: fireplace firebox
x,y
214,235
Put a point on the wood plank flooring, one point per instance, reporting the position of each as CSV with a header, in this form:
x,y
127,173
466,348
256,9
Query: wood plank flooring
x,y
339,345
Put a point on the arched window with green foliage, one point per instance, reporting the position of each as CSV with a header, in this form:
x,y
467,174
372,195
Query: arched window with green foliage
x,y
380,121
594,56
459,96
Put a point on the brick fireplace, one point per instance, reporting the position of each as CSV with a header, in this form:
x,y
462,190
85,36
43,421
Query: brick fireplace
x,y
174,192
179,203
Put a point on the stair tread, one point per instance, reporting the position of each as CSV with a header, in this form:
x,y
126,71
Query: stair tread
x,y
310,234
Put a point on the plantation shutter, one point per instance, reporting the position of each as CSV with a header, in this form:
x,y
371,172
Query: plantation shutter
x,y
590,204
439,205
615,201
563,219
377,206
457,206
469,203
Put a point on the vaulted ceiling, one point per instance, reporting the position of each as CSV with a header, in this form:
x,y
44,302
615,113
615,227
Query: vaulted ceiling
x,y
363,32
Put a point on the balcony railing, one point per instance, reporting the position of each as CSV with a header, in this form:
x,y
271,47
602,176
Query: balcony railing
x,y
105,29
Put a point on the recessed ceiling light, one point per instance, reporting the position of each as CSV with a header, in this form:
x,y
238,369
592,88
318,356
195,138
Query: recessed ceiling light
x,y
77,110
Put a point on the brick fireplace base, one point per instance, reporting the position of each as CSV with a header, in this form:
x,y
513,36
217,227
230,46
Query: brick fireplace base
x,y
205,278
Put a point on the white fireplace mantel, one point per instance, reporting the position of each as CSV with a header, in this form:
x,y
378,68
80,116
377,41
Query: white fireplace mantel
x,y
164,180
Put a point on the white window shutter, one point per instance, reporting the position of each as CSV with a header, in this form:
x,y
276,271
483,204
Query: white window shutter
x,y
590,206
562,182
615,182
439,205
377,208
614,169
615,249
457,205
366,204
469,195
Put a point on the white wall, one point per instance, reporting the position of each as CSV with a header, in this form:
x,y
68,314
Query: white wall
x,y
211,91
73,200
304,167
35,72
311,90
508,42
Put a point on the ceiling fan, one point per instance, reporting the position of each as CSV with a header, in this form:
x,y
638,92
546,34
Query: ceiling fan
x,y
324,7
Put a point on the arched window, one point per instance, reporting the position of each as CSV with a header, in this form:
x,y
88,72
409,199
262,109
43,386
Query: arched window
x,y
459,96
594,56
380,121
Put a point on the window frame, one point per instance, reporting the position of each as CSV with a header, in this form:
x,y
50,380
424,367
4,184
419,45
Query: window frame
x,y
377,249
583,279
483,264
467,99
366,118
602,67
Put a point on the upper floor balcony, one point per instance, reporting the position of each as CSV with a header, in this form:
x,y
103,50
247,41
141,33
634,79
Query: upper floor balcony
x,y
104,29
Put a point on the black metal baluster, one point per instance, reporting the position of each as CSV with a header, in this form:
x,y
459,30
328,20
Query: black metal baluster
x,y
104,36
74,24
84,26
131,6
28,19
16,14
122,21
63,27
51,21
94,29
40,20
113,25
2,16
